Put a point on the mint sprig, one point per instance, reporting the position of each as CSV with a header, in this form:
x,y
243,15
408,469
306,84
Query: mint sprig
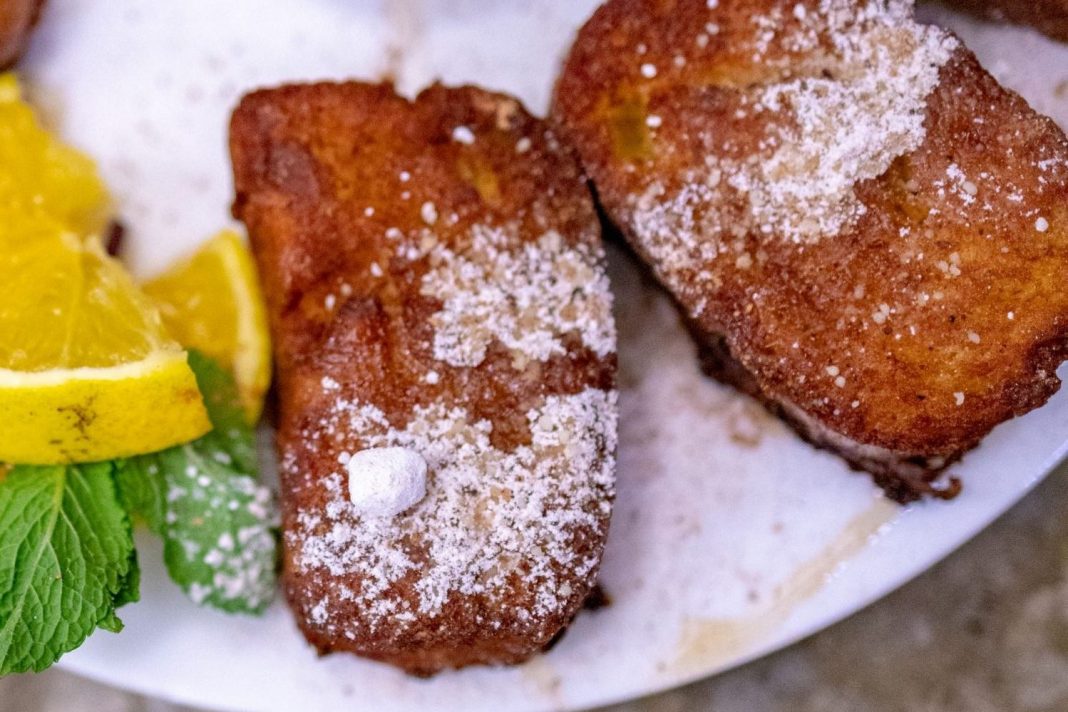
x,y
217,521
67,558
67,561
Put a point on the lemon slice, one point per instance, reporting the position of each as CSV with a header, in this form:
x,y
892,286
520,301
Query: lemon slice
x,y
212,302
87,370
40,174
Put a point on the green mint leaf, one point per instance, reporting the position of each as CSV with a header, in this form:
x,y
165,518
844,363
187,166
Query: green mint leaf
x,y
141,488
111,624
217,521
66,561
131,586
223,403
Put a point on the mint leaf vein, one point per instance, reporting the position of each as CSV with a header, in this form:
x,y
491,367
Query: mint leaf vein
x,y
66,561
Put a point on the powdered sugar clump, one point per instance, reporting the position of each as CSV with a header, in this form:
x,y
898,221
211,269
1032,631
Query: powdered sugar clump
x,y
385,481
497,524
527,298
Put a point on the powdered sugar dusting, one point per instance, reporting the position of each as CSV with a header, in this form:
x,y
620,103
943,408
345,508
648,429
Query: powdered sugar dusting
x,y
496,524
841,116
527,298
849,126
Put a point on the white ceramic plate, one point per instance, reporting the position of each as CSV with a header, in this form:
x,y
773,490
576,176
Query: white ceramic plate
x,y
731,538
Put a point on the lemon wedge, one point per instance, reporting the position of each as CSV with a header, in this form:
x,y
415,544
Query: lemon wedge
x,y
212,302
40,174
87,370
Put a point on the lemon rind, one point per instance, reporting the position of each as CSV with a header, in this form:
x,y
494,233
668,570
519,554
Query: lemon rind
x,y
91,414
252,363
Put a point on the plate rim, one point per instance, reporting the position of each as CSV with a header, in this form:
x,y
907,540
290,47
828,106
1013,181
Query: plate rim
x,y
765,649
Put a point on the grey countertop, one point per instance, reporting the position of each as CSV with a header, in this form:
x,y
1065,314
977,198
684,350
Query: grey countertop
x,y
984,631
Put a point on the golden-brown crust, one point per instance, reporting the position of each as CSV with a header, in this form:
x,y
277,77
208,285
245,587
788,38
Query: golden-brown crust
x,y
1049,16
17,20
934,315
352,195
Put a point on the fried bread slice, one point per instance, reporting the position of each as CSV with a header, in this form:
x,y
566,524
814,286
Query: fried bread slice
x,y
863,228
1049,16
17,20
435,282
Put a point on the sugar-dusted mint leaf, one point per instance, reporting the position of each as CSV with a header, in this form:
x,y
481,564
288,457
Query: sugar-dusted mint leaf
x,y
221,544
217,521
66,561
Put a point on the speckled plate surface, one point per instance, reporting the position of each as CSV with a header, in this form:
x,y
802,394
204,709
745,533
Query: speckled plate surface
x,y
731,538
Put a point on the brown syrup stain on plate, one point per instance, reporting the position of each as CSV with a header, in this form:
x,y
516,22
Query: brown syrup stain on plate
x,y
540,673
748,422
47,102
405,18
543,677
708,642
